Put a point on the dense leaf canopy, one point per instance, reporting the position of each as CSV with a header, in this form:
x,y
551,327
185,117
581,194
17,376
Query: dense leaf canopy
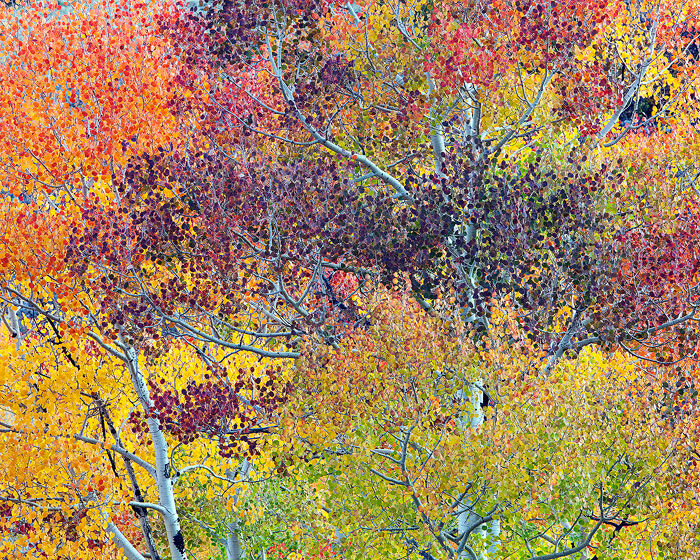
x,y
298,279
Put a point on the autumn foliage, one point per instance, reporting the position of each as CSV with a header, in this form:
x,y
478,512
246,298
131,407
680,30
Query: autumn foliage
x,y
301,279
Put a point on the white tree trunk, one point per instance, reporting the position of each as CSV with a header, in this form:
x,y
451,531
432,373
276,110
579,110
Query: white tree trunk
x,y
164,481
234,550
466,517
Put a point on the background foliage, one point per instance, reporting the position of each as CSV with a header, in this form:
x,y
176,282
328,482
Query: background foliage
x,y
303,278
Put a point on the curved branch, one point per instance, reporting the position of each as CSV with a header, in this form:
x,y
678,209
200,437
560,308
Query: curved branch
x,y
149,505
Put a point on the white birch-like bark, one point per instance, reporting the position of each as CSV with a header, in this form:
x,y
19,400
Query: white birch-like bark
x,y
233,546
164,481
16,328
234,550
472,115
466,517
437,139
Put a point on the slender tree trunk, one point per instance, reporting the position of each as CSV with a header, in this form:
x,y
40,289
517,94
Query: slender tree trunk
x,y
234,551
164,481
